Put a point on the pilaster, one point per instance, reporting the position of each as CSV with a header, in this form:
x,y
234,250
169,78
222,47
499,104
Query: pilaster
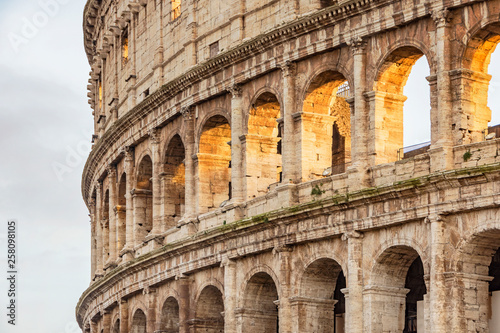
x,y
291,173
358,172
354,292
237,168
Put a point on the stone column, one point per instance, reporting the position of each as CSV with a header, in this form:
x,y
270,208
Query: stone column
x,y
112,217
358,176
183,283
354,276
106,321
237,173
154,138
131,80
230,285
190,195
438,287
289,140
128,251
93,247
441,151
152,298
384,309
99,262
312,314
124,324
237,21
284,306
192,32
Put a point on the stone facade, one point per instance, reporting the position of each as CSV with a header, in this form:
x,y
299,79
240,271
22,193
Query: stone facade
x,y
245,173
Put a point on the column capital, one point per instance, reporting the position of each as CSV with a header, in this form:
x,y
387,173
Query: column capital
x,y
154,135
435,218
282,248
235,90
358,45
98,186
111,169
441,16
288,68
149,290
352,235
187,112
128,151
227,262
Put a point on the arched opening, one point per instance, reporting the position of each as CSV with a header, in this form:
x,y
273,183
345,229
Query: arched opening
x,y
174,181
170,316
397,291
105,226
320,308
121,212
116,327
143,200
414,309
387,104
326,126
209,309
138,322
260,312
214,167
262,145
416,114
480,98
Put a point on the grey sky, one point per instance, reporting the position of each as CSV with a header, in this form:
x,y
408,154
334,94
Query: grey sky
x,y
45,122
43,116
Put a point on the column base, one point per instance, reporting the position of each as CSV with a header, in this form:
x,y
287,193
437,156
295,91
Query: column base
x,y
127,254
189,224
109,265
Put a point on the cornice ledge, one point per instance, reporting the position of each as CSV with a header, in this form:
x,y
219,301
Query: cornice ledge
x,y
203,70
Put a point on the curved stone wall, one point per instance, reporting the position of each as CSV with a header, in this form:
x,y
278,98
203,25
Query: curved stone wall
x,y
247,174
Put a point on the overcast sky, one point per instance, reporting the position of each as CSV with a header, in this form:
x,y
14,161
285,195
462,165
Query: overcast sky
x,y
45,129
45,125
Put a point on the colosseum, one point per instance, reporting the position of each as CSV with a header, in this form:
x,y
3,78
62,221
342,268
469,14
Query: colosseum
x,y
248,172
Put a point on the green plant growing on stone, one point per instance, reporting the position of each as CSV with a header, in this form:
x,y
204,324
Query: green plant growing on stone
x,y
467,155
316,190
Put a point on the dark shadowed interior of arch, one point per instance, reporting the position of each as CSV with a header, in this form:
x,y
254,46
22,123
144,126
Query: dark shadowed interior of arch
x,y
400,267
209,310
121,211
326,123
105,225
416,284
170,316
116,327
214,167
138,322
143,199
321,287
175,181
260,301
390,102
494,271
263,145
